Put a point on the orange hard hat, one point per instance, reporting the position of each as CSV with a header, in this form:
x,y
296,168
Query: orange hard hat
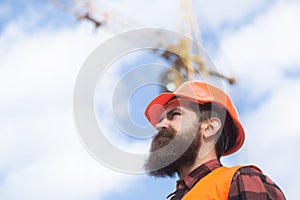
x,y
199,92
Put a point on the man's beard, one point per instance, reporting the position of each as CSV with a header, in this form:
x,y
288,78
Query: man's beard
x,y
182,152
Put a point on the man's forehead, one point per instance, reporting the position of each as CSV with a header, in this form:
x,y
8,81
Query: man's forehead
x,y
177,103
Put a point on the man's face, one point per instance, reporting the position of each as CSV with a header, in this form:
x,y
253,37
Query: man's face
x,y
179,136
178,115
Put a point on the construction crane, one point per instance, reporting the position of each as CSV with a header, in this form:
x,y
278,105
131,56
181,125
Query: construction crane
x,y
186,62
99,14
81,12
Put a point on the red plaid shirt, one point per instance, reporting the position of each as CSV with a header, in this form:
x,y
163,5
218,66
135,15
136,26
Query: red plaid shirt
x,y
247,183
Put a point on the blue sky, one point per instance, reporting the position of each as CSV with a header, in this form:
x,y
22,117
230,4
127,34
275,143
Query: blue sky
x,y
43,48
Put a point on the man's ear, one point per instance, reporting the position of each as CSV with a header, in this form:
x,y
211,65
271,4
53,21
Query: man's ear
x,y
210,127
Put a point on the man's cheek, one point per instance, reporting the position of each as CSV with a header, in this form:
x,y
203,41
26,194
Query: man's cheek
x,y
176,124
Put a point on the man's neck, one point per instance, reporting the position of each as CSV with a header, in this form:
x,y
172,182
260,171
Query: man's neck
x,y
185,170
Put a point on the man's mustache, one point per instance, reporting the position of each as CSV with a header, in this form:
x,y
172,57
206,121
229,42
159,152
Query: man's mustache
x,y
162,138
165,132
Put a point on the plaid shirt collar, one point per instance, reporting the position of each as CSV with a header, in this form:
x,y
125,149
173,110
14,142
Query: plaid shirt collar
x,y
192,178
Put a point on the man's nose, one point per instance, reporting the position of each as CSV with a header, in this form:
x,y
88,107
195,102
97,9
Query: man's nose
x,y
162,124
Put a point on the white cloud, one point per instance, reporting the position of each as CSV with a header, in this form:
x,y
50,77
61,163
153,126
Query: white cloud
x,y
40,153
267,46
217,13
57,167
260,53
169,13
135,13
274,136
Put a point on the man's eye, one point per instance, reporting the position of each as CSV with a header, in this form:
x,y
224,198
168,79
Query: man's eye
x,y
175,113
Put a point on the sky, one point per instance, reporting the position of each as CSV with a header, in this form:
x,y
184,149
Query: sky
x,y
42,50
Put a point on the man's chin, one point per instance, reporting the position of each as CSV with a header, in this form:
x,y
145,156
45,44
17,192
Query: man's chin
x,y
162,165
168,171
159,165
182,152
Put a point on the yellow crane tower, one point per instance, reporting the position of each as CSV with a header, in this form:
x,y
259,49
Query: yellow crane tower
x,y
188,62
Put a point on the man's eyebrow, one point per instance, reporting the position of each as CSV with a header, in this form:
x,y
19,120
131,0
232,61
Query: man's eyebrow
x,y
168,113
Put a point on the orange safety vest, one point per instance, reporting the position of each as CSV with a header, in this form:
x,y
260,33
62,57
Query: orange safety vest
x,y
215,185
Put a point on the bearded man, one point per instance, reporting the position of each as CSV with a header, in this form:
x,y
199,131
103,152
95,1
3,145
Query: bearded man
x,y
197,125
